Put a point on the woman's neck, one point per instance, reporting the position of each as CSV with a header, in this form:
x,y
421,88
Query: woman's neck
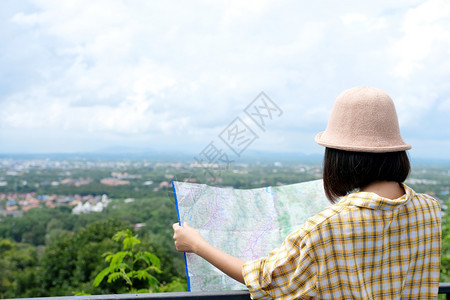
x,y
386,189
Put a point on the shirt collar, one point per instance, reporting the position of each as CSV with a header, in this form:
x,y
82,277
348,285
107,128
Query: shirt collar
x,y
373,201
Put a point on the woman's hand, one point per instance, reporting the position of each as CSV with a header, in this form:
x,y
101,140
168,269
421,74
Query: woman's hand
x,y
186,238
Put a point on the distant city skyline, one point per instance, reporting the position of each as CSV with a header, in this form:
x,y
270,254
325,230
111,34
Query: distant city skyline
x,y
88,76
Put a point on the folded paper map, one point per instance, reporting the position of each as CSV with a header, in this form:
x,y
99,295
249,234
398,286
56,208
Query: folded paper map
x,y
244,223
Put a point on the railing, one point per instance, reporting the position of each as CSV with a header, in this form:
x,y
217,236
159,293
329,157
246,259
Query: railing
x,y
219,295
444,288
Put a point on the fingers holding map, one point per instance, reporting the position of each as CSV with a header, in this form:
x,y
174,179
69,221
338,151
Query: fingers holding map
x,y
185,237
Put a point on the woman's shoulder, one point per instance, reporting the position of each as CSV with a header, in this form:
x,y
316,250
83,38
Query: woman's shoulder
x,y
325,217
421,196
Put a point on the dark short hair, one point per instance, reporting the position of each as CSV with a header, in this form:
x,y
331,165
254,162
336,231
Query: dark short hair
x,y
345,171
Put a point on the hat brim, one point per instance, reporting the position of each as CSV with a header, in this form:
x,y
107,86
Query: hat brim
x,y
376,149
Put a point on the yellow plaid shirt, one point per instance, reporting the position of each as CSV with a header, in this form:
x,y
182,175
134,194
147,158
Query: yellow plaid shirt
x,y
364,247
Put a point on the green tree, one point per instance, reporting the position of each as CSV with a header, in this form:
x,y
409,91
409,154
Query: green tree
x,y
445,251
73,259
132,266
19,270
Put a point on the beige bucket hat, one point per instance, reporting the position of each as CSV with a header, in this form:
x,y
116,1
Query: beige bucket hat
x,y
363,119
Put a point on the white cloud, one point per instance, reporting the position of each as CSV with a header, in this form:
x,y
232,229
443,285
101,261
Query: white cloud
x,y
146,68
352,18
444,105
426,32
29,19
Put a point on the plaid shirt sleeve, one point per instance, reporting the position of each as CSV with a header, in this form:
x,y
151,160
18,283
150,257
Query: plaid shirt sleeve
x,y
287,272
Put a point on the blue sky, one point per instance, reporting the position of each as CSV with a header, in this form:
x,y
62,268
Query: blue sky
x,y
80,76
